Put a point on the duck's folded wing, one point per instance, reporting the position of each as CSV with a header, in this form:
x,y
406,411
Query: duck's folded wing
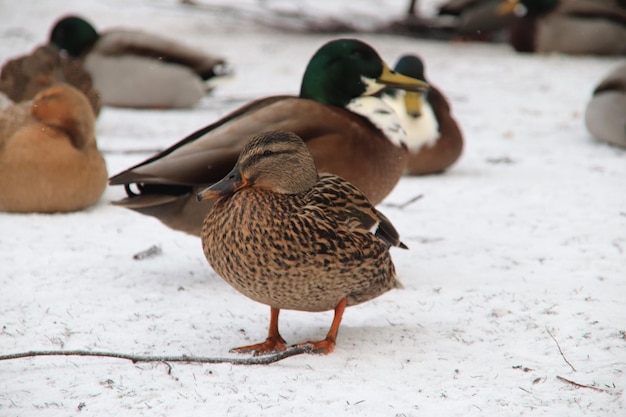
x,y
350,206
116,42
206,155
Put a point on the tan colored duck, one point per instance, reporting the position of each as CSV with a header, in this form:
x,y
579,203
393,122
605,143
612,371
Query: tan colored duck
x,y
286,237
434,139
137,69
605,115
21,78
49,161
350,132
587,27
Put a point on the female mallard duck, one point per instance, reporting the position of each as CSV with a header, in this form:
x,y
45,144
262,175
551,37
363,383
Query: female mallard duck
x,y
49,161
349,131
572,27
23,77
286,237
605,115
137,69
434,139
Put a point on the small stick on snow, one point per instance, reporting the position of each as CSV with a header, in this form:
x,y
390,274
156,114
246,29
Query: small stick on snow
x,y
405,204
560,351
577,385
256,360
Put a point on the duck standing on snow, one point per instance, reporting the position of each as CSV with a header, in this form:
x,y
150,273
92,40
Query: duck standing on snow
x,y
23,77
137,69
287,237
434,139
49,160
350,132
605,115
569,26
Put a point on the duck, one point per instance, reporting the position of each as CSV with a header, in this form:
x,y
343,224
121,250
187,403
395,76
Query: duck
x,y
136,69
287,237
477,19
49,159
605,114
578,27
22,77
350,131
434,139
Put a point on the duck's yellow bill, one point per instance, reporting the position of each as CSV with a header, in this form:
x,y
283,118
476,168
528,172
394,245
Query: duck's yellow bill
x,y
413,103
507,7
394,79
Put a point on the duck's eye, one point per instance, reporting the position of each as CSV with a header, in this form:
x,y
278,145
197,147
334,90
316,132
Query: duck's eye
x,y
267,152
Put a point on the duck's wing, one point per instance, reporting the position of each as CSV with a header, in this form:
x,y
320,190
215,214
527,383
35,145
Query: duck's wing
x,y
207,154
608,10
119,41
347,204
615,81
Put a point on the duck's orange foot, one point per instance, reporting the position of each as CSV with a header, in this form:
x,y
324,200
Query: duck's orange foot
x,y
321,347
271,345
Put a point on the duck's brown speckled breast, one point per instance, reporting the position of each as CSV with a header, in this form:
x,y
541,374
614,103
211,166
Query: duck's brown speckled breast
x,y
281,251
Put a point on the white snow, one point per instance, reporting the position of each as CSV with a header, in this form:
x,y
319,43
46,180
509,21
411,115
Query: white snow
x,y
523,238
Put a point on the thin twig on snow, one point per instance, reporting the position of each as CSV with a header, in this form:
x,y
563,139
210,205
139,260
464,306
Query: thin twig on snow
x,y
577,385
255,360
560,351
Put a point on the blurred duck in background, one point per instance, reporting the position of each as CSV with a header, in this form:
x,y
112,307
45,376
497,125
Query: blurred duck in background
x,y
434,139
588,27
477,19
137,69
49,159
21,78
605,115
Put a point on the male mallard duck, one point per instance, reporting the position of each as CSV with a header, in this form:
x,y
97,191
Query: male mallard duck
x,y
136,69
286,237
605,115
49,160
434,139
349,131
23,77
572,26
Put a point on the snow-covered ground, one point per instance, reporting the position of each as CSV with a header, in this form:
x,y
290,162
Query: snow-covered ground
x,y
517,260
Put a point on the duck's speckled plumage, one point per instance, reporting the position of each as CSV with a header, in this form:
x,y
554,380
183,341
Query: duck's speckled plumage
x,y
307,250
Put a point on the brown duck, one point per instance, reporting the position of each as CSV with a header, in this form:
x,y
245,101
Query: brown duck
x,y
21,78
434,139
350,132
287,237
49,159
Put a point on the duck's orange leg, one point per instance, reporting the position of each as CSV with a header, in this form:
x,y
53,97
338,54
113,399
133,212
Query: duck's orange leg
x,y
273,343
327,345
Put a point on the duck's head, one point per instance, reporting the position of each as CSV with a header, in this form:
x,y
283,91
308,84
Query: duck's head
x,y
344,69
412,66
67,109
277,161
531,6
74,35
